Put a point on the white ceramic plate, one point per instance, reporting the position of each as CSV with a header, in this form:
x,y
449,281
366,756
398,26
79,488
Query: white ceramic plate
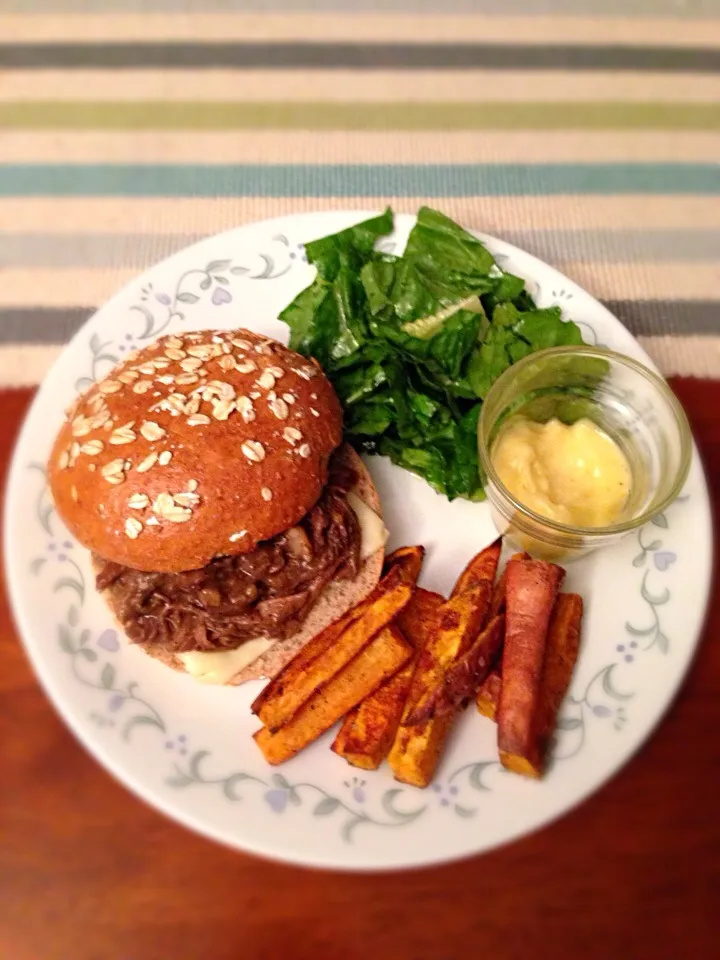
x,y
187,749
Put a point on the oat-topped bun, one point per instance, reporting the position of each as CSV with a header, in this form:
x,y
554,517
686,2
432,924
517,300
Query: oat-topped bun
x,y
200,445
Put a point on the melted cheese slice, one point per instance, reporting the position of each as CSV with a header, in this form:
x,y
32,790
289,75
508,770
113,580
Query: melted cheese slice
x,y
373,532
220,666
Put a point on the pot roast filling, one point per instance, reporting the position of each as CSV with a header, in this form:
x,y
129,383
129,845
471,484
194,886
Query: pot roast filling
x,y
268,592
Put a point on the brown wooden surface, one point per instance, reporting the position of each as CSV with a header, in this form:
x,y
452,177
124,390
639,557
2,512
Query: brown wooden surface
x,y
87,872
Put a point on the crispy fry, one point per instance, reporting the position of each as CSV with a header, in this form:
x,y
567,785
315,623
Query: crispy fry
x,y
561,653
416,749
464,677
489,694
483,566
417,618
331,650
409,559
457,624
368,731
532,586
375,663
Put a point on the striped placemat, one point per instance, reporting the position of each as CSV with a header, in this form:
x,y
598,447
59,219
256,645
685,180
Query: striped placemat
x,y
585,131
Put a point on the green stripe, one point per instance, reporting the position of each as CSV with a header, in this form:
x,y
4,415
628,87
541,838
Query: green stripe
x,y
355,179
168,115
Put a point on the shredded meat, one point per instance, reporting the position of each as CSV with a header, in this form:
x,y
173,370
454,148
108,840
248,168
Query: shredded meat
x,y
267,592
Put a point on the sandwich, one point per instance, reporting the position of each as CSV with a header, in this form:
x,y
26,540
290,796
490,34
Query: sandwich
x,y
228,523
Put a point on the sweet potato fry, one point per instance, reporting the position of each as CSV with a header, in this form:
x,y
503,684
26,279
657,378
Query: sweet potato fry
x,y
416,620
457,624
532,586
483,566
367,732
331,650
489,694
376,662
409,559
416,749
464,677
498,601
561,652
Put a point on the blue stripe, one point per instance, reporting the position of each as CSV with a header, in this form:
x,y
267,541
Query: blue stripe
x,y
356,180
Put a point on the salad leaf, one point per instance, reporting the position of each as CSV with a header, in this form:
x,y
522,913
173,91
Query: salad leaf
x,y
413,343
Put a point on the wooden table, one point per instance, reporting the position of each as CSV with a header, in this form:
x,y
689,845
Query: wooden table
x,y
87,872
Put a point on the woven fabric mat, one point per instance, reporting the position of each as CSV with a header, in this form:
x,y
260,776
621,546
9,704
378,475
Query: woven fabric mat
x,y
585,131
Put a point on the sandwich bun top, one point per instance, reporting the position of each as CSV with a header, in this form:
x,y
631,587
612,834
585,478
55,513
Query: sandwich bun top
x,y
199,445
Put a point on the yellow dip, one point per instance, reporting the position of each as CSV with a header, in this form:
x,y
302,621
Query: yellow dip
x,y
576,475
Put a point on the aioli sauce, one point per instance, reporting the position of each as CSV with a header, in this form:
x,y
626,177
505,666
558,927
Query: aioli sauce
x,y
576,475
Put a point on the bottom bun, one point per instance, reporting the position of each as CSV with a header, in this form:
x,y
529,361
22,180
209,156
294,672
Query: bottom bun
x,y
336,599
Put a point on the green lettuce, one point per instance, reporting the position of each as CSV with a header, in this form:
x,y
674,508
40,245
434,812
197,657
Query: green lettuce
x,y
412,344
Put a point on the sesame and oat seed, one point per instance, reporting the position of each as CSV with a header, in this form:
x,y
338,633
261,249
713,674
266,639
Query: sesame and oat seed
x,y
74,493
133,528
64,460
266,493
175,353
255,394
100,419
289,398
245,366
149,461
114,471
314,412
192,485
128,376
276,372
110,386
185,379
147,368
253,450
198,420
191,364
219,388
192,406
279,408
152,431
227,362
142,386
81,426
244,406
173,341
223,409
123,435
165,458
266,380
186,499
241,344
304,450
292,435
234,537
92,447
166,379
138,501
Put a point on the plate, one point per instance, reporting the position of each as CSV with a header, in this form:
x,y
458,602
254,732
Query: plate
x,y
187,749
